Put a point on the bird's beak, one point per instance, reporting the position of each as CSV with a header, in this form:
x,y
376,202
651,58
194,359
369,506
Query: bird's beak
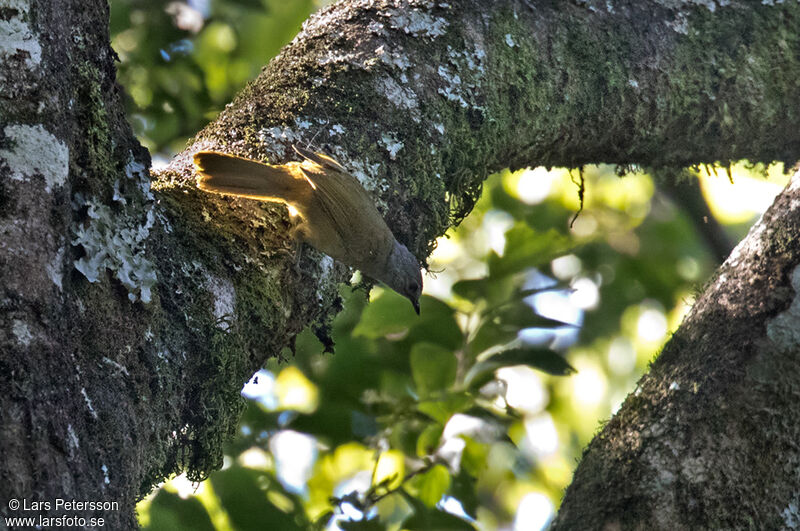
x,y
416,305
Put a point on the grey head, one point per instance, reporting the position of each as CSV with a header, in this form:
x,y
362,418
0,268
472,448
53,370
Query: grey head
x,y
403,275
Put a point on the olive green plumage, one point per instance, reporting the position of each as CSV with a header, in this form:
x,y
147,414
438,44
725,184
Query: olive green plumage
x,y
338,216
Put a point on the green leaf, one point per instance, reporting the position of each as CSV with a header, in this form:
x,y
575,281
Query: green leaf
x,y
442,408
493,290
388,314
519,316
432,367
538,358
526,248
472,289
432,485
428,440
436,324
490,334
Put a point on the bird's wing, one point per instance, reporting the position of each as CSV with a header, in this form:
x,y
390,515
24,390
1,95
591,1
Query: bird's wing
x,y
351,212
228,174
319,158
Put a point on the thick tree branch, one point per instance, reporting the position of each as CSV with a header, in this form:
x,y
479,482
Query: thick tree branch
x,y
129,321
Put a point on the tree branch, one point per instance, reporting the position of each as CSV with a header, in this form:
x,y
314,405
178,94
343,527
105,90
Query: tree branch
x,y
186,294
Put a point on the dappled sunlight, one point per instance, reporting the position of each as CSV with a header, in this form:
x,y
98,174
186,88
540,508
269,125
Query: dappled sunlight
x,y
525,391
534,512
621,357
261,388
296,392
589,385
532,186
295,454
257,458
541,436
743,195
652,325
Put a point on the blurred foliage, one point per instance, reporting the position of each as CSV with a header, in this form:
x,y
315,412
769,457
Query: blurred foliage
x,y
181,62
470,416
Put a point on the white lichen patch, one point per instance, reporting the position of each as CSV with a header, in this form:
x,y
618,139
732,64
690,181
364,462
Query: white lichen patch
x,y
326,272
72,438
375,27
119,367
439,127
401,97
394,59
336,129
782,330
362,170
106,480
88,402
392,144
694,470
117,196
31,150
114,242
55,268
791,514
469,62
17,37
21,332
326,267
452,88
276,139
224,300
510,41
416,22
335,57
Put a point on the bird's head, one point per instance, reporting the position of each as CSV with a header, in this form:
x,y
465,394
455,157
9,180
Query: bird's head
x,y
404,275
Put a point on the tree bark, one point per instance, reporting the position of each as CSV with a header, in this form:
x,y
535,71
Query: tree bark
x,y
131,317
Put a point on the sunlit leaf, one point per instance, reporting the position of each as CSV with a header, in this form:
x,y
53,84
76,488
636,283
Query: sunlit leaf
x,y
432,485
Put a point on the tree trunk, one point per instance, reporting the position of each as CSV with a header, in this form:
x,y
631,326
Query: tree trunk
x,y
710,438
130,318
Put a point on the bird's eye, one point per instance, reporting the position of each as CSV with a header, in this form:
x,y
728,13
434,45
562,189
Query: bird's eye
x,y
413,287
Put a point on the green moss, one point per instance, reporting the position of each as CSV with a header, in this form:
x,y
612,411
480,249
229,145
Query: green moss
x,y
91,107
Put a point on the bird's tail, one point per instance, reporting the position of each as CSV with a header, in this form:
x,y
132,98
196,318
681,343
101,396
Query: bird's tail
x,y
228,174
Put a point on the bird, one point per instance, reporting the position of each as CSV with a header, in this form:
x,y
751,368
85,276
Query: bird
x,y
337,215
